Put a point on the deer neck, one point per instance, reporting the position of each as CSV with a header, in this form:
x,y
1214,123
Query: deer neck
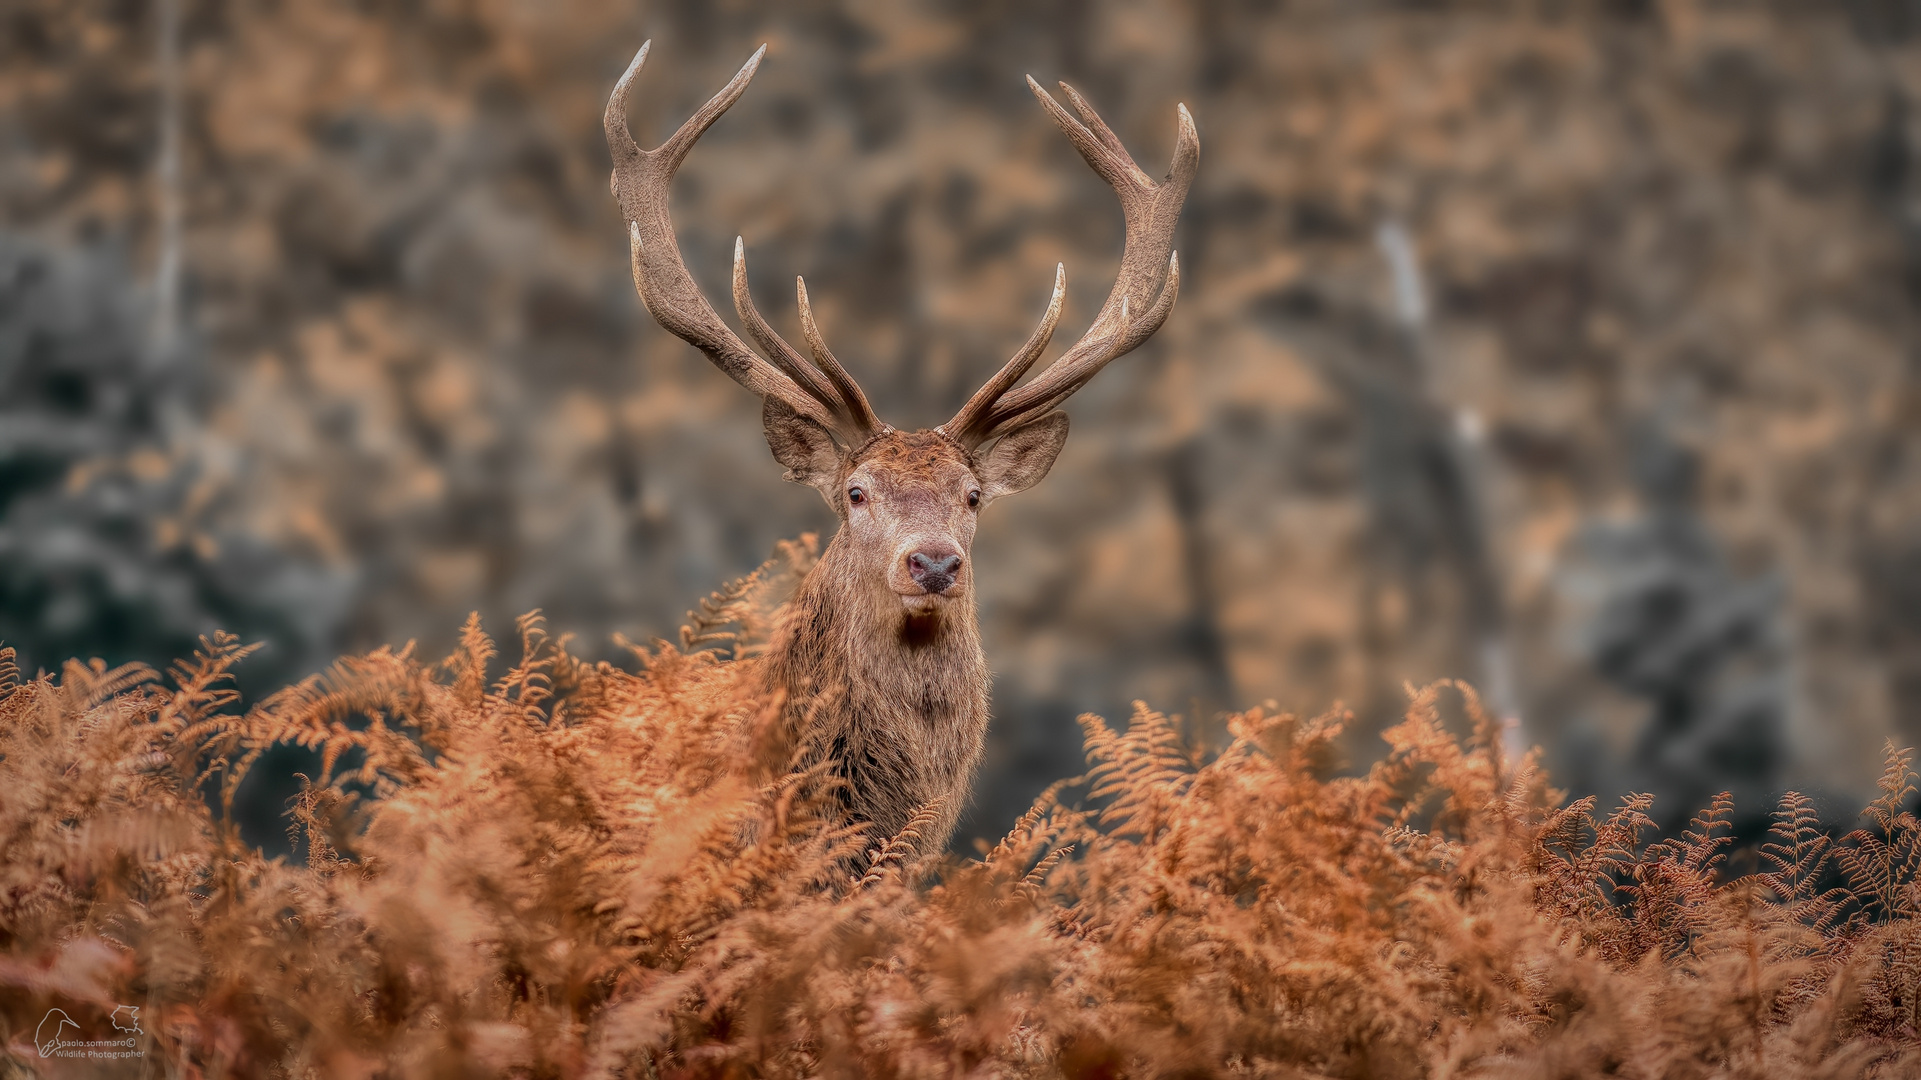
x,y
900,703
846,631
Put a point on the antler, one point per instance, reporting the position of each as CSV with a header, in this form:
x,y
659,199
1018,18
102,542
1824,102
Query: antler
x,y
1149,269
823,393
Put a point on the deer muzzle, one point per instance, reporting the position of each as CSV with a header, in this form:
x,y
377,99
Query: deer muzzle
x,y
933,570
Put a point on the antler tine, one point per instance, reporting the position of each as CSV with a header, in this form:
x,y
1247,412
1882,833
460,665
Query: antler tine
x,y
1148,265
1096,141
850,395
970,423
641,180
1080,364
783,355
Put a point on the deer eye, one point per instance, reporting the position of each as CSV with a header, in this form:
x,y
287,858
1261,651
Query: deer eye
x,y
856,496
973,498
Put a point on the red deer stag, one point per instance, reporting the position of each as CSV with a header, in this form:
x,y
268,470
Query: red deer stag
x,y
879,651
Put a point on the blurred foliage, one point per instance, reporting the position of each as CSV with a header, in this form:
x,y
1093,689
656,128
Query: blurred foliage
x,y
1673,625
105,546
434,379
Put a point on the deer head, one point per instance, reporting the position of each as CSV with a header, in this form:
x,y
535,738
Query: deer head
x,y
908,501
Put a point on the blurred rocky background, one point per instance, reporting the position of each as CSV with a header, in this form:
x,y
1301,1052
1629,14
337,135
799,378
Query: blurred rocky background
x,y
1570,349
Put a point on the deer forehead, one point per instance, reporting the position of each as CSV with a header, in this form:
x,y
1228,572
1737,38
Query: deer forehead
x,y
912,459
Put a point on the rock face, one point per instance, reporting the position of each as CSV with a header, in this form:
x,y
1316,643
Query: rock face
x,y
430,374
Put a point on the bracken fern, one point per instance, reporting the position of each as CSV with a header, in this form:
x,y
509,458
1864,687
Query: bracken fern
x,y
576,871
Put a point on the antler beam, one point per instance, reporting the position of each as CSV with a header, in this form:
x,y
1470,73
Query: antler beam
x,y
1149,269
641,180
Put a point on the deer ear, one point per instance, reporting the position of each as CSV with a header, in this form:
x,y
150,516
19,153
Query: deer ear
x,y
805,447
1019,459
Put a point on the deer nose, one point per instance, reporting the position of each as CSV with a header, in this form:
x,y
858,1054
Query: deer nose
x,y
934,570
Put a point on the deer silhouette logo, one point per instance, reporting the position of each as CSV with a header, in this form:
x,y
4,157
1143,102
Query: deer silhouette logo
x,y
47,1037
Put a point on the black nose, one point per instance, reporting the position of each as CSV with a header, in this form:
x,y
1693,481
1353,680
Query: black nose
x,y
933,571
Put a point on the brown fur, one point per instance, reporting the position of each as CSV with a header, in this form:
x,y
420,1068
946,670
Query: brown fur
x,y
895,698
882,679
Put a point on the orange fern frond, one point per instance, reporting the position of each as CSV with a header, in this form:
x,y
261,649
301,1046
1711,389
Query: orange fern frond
x,y
885,862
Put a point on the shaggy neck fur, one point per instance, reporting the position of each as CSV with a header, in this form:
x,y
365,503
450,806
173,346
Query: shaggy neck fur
x,y
898,704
